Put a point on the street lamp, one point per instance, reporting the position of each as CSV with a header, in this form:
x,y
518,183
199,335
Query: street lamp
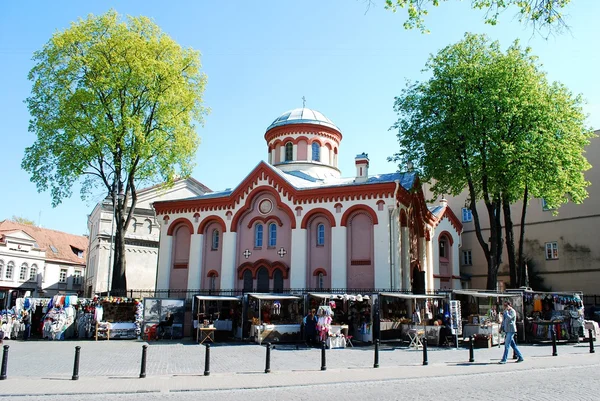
x,y
120,197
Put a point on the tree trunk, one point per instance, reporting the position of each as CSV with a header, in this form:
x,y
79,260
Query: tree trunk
x,y
510,242
521,261
119,280
494,209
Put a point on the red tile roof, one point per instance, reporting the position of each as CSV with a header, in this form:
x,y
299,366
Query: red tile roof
x,y
61,241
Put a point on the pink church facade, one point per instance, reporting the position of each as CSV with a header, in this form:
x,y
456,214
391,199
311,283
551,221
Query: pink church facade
x,y
295,223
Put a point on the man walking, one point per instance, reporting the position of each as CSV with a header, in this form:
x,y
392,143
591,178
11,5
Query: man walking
x,y
27,323
509,326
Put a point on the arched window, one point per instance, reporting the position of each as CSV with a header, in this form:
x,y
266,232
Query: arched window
x,y
215,240
258,236
33,273
23,272
148,224
212,282
272,235
443,246
289,152
133,225
10,268
320,281
316,152
321,235
247,280
278,281
262,280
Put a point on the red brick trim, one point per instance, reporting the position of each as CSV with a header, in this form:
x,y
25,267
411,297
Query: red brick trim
x,y
328,215
355,208
212,219
179,221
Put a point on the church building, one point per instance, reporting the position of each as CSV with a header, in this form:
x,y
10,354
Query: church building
x,y
295,223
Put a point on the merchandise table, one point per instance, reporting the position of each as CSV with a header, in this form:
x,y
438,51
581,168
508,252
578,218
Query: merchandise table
x,y
207,334
336,342
415,338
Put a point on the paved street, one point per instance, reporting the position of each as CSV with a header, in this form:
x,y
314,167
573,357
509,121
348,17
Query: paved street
x,y
42,370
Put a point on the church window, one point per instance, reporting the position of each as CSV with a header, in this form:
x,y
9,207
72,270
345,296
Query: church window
x,y
215,240
289,152
278,281
262,280
320,283
247,280
272,235
258,236
320,235
316,152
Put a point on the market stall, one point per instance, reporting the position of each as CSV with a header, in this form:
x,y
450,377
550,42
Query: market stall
x,y
351,317
59,320
11,320
116,318
219,312
482,311
413,317
562,312
274,318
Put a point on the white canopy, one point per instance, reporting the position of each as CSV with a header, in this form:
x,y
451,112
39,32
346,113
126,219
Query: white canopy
x,y
272,297
411,296
216,298
486,294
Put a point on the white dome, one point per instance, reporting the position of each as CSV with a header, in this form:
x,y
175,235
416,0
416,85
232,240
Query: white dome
x,y
302,116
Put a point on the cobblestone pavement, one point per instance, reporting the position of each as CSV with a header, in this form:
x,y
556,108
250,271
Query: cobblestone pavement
x,y
42,370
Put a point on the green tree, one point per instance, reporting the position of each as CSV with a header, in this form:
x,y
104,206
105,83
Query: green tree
x,y
23,220
114,103
490,123
543,14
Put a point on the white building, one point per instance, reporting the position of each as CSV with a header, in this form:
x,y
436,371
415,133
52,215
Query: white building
x,y
141,238
39,261
294,222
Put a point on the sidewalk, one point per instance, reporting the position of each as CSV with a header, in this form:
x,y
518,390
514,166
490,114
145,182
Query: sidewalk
x,y
290,367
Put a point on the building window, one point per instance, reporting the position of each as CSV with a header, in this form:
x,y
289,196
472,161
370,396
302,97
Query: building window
x,y
551,250
10,268
442,249
278,281
33,273
133,225
149,226
258,236
320,281
289,152
212,282
545,206
248,281
215,240
262,280
467,215
23,272
63,276
77,277
467,258
316,152
272,235
321,235
1,269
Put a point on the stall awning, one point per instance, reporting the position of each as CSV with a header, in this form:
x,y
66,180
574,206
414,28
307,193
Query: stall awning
x,y
411,296
271,297
486,294
216,298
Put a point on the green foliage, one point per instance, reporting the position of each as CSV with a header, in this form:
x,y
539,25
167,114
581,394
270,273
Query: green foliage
x,y
23,220
542,13
113,103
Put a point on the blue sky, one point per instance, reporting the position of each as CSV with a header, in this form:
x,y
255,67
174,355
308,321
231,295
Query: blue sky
x,y
261,58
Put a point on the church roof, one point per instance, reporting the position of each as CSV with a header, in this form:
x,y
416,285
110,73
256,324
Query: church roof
x,y
302,116
304,180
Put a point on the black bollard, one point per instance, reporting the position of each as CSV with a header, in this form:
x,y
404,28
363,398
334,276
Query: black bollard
x,y
554,352
268,364
207,361
76,364
4,363
425,361
591,342
471,345
376,363
143,369
323,360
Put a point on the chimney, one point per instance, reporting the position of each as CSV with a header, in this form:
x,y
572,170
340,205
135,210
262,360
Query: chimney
x,y
362,167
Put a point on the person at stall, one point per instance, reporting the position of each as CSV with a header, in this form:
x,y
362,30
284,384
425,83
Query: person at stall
x,y
310,327
509,326
27,323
